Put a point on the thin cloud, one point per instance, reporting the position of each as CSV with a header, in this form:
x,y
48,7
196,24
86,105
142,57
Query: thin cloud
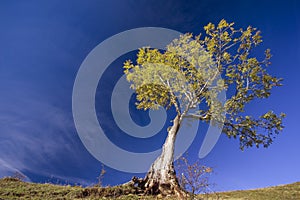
x,y
38,137
7,170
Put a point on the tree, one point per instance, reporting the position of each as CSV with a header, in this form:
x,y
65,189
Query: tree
x,y
184,77
192,177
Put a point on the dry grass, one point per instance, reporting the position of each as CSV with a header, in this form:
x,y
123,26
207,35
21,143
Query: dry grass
x,y
282,192
11,188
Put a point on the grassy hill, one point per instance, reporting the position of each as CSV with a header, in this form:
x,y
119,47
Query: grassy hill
x,y
11,188
281,192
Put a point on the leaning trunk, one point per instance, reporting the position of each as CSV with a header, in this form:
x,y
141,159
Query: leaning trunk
x,y
161,177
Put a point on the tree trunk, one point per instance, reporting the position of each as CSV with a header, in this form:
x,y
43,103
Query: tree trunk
x,y
161,177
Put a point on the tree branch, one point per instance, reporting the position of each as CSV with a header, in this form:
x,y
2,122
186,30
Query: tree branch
x,y
195,116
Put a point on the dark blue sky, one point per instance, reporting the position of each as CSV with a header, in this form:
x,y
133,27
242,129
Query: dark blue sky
x,y
43,43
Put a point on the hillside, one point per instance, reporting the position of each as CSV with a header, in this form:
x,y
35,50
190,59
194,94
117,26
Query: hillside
x,y
281,192
15,189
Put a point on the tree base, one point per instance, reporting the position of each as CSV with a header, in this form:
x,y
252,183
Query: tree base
x,y
161,178
147,186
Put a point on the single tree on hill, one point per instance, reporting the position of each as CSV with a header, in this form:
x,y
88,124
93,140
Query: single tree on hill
x,y
185,76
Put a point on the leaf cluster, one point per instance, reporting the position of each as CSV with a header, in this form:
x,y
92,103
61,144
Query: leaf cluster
x,y
185,76
248,77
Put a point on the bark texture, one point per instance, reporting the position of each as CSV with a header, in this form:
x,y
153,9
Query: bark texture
x,y
161,177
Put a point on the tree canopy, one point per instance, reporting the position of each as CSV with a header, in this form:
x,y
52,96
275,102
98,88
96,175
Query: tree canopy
x,y
185,76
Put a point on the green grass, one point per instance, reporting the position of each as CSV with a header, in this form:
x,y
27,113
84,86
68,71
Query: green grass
x,y
282,192
11,188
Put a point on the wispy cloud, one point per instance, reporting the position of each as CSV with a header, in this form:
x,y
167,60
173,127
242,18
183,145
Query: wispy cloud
x,y
8,170
38,137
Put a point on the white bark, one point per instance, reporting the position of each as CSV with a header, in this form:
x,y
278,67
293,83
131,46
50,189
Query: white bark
x,y
162,170
161,177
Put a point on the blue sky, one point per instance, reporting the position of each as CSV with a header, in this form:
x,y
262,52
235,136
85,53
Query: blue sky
x,y
43,43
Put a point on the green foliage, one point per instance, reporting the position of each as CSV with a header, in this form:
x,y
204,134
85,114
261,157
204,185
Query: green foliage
x,y
186,72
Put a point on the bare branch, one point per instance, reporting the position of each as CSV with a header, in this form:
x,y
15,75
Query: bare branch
x,y
195,116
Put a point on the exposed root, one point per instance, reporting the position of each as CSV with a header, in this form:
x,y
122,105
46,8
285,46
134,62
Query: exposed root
x,y
152,187
161,178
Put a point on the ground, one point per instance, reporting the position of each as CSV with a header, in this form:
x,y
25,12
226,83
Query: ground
x,y
11,188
